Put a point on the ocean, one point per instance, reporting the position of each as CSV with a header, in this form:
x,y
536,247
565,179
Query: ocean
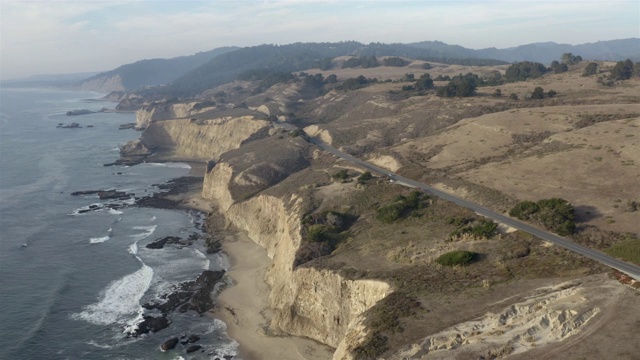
x,y
72,282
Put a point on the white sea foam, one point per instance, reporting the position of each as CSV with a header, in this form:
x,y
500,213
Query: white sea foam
x,y
119,300
178,165
114,212
133,248
97,240
148,230
156,164
206,263
102,346
153,218
129,201
88,207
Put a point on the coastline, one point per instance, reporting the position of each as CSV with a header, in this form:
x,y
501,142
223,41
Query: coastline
x,y
244,305
244,308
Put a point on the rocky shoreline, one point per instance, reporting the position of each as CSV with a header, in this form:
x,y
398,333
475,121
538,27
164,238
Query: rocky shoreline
x,y
189,296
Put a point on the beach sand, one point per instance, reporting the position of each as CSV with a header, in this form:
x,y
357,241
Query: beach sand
x,y
244,308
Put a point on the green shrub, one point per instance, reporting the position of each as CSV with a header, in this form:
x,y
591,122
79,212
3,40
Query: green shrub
x,y
458,257
481,228
524,210
627,250
554,214
366,176
402,206
341,175
318,232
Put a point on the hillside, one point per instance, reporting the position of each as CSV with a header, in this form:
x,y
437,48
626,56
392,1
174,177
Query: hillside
x,y
375,270
610,50
149,72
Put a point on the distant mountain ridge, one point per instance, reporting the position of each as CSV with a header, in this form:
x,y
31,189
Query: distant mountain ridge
x,y
545,52
149,72
190,75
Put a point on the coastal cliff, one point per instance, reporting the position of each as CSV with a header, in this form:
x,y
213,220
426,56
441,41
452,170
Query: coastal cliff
x,y
318,304
248,187
201,140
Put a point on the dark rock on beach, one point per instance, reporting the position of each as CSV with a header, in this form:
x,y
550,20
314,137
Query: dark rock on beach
x,y
105,194
191,339
132,153
191,295
169,344
172,240
151,324
193,348
164,199
127,126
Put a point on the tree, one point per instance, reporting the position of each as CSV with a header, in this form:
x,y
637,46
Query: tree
x,y
331,79
552,93
570,59
513,96
538,93
424,82
622,70
460,86
395,61
524,70
636,70
559,67
497,93
426,66
591,69
325,64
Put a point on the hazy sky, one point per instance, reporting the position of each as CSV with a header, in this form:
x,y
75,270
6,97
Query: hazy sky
x,y
49,37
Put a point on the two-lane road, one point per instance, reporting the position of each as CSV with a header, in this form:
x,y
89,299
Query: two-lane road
x,y
625,267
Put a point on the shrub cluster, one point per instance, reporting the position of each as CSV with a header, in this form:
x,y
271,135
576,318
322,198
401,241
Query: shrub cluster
x,y
479,228
402,206
554,214
456,258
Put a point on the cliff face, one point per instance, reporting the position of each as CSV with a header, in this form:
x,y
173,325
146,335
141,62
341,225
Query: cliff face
x,y
151,113
201,140
105,84
318,304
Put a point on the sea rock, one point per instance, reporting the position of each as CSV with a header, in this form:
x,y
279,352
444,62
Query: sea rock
x,y
169,344
161,242
191,339
127,126
191,295
73,125
80,112
104,194
193,348
150,324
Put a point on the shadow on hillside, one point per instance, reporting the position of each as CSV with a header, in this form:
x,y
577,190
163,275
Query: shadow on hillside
x,y
586,213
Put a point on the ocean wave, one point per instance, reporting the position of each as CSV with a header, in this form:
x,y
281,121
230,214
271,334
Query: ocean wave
x,y
120,299
114,212
101,346
206,263
147,231
179,165
97,240
88,208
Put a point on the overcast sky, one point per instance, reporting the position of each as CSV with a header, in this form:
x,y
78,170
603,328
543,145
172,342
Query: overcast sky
x,y
52,37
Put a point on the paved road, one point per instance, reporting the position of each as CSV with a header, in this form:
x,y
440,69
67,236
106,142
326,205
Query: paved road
x,y
627,268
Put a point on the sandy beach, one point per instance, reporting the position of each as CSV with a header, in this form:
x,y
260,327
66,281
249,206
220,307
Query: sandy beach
x,y
244,306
